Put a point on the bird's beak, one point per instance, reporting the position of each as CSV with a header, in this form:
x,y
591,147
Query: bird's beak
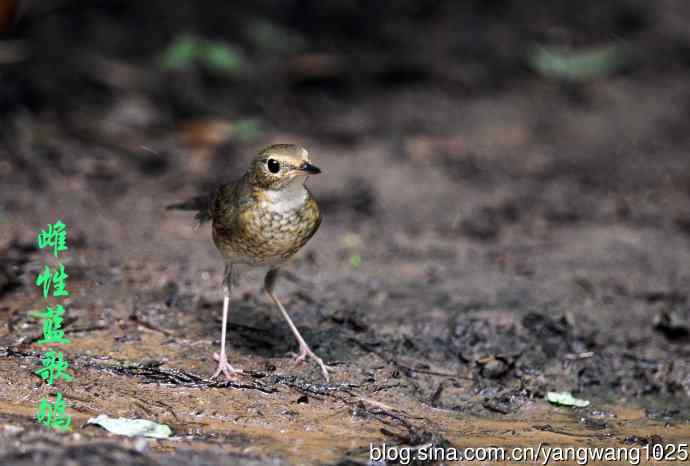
x,y
309,169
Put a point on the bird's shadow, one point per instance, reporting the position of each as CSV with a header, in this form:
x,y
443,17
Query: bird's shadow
x,y
257,327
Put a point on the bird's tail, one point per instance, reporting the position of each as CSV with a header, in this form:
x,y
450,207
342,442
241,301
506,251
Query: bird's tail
x,y
199,204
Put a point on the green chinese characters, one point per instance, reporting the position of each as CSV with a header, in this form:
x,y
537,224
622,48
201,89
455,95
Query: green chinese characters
x,y
54,366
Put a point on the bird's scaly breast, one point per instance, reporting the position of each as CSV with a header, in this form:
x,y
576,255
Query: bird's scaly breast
x,y
270,231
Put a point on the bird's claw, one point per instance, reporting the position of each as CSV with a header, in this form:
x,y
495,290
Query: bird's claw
x,y
307,352
224,367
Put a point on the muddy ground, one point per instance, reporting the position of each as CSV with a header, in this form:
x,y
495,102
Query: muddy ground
x,y
490,234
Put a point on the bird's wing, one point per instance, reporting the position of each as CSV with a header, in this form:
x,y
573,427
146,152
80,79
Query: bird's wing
x,y
222,204
226,203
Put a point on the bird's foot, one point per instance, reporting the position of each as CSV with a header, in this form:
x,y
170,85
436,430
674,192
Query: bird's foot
x,y
305,352
224,367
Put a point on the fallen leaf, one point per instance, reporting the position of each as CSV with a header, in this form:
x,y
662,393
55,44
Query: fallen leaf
x,y
578,65
566,399
131,427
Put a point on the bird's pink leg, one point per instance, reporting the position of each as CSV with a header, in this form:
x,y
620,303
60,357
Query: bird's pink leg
x,y
223,364
304,350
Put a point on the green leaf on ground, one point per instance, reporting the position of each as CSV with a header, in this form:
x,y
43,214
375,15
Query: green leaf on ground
x,y
187,50
581,65
566,399
181,53
222,57
247,129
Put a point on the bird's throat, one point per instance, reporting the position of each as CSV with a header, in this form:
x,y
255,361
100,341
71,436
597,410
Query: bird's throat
x,y
289,198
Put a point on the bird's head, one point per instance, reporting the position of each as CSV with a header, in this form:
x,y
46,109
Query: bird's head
x,y
279,165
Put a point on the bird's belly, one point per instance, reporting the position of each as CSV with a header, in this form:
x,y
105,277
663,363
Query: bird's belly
x,y
267,237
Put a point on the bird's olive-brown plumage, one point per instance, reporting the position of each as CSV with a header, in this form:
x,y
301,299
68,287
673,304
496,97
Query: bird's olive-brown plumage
x,y
264,218
248,230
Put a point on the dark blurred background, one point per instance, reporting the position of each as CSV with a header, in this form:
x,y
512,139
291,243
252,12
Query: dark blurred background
x,y
108,73
306,66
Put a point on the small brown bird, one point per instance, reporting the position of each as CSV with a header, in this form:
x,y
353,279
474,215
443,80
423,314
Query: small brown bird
x,y
261,220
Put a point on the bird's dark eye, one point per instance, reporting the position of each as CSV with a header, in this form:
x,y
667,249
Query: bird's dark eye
x,y
273,165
